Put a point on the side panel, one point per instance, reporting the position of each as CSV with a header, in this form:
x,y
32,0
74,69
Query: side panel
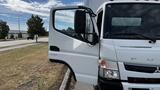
x,y
82,58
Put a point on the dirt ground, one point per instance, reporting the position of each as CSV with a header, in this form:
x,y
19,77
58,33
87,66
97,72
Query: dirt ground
x,y
29,69
71,84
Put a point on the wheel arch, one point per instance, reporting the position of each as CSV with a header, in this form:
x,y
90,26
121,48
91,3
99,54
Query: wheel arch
x,y
63,62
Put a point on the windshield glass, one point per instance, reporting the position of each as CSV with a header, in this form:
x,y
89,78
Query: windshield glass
x,y
132,18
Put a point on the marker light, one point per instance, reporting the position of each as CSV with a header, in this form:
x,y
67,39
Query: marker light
x,y
108,69
103,63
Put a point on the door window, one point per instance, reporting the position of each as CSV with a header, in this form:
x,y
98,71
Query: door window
x,y
64,23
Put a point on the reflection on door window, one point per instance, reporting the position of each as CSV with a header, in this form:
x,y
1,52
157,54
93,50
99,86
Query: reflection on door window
x,y
64,21
126,21
89,28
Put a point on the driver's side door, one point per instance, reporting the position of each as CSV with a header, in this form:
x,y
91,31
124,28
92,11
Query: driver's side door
x,y
71,37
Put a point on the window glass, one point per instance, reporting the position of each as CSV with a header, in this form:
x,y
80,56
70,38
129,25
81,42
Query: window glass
x,y
89,28
126,21
64,22
128,18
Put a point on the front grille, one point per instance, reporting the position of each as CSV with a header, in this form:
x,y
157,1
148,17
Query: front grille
x,y
144,80
145,69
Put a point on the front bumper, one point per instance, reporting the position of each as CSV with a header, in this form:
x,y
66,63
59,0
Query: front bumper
x,y
130,86
104,84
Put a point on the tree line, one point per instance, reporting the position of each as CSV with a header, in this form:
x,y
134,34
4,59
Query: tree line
x,y
35,27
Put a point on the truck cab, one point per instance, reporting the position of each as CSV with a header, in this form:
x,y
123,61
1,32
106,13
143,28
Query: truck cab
x,y
117,48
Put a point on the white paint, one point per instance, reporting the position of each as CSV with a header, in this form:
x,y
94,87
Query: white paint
x,y
76,44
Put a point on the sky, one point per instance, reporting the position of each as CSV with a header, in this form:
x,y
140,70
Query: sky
x,y
13,11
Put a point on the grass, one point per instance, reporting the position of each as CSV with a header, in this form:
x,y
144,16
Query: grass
x,y
29,69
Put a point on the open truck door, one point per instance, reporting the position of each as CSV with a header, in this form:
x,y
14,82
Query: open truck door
x,y
73,40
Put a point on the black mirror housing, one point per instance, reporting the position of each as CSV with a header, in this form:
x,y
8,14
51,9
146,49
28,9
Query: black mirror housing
x,y
95,39
80,21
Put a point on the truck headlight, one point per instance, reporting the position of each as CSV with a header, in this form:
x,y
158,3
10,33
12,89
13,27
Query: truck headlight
x,y
108,69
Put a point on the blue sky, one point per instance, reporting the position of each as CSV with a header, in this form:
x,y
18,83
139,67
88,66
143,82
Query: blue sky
x,y
12,10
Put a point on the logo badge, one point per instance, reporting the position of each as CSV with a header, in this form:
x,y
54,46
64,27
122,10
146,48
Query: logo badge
x,y
158,70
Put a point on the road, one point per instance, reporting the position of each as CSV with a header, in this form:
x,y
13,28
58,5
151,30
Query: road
x,y
83,86
20,42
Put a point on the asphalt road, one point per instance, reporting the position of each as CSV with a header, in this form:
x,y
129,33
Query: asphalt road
x,y
19,42
83,86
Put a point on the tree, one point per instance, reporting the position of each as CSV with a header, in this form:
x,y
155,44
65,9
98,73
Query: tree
x,y
35,26
4,29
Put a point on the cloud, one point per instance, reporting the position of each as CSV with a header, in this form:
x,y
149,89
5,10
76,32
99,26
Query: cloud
x,y
65,16
10,7
5,15
30,7
78,3
33,7
44,18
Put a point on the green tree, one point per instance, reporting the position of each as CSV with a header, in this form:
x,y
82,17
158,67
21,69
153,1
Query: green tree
x,y
4,29
35,26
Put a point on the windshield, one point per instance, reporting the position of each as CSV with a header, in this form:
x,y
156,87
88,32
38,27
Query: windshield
x,y
143,19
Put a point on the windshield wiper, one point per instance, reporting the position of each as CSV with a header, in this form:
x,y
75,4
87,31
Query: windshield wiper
x,y
152,40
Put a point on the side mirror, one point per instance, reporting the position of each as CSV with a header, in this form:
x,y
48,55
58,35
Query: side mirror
x,y
95,39
80,21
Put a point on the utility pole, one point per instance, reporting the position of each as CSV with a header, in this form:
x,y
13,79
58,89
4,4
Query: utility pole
x,y
19,34
19,24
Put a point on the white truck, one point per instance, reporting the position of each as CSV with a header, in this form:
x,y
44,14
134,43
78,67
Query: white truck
x,y
118,48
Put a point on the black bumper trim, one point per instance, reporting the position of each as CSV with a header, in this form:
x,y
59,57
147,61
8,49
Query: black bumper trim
x,y
105,84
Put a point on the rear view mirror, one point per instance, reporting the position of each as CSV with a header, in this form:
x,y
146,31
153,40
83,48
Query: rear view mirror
x,y
80,21
95,39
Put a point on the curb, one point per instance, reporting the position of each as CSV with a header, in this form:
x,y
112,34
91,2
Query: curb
x,y
65,80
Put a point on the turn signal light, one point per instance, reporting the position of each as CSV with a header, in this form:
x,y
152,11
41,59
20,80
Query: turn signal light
x,y
103,63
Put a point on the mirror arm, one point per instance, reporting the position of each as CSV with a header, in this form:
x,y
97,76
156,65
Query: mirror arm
x,y
95,39
89,10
